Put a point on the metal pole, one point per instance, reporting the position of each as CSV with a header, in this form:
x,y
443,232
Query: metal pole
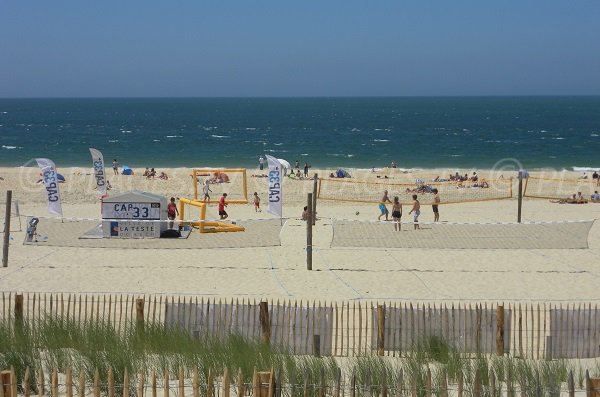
x,y
309,233
520,196
314,200
6,229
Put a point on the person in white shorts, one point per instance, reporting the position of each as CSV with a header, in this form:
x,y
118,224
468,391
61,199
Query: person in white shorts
x,y
416,211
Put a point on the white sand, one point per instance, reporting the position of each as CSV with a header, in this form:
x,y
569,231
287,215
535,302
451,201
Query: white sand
x,y
496,275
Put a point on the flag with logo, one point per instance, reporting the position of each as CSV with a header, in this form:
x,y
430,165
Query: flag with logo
x,y
99,174
50,180
275,186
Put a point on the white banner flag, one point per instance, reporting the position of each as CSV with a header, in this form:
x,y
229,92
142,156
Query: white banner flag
x,y
99,174
275,186
50,179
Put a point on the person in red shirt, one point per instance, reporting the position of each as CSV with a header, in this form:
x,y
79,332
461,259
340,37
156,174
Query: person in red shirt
x,y
171,212
222,205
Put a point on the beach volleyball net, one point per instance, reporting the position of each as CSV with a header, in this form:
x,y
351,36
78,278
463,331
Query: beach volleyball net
x,y
533,235
221,180
349,190
89,233
15,216
557,189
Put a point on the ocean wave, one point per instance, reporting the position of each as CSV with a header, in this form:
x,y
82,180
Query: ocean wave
x,y
156,140
592,134
174,136
220,136
8,147
558,138
381,140
278,144
585,169
113,140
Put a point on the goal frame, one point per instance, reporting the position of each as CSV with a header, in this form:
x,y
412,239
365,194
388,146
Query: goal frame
x,y
197,171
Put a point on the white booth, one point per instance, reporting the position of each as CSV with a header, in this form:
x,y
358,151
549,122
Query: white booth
x,y
134,214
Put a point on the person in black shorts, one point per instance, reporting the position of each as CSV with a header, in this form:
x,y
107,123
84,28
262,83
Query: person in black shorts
x,y
434,206
397,214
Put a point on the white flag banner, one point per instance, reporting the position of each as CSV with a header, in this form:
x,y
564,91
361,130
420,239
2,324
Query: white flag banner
x,y
99,174
275,186
50,179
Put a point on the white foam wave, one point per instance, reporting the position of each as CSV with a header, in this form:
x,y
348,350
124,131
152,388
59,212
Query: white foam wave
x,y
113,140
381,140
220,136
585,169
558,138
174,136
8,147
592,134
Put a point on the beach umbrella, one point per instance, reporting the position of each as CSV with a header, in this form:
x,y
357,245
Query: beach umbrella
x,y
125,170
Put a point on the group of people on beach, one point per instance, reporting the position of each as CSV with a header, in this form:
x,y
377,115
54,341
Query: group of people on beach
x,y
152,174
415,210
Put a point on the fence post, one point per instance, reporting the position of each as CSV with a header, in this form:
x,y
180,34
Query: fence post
x,y
5,384
588,384
309,232
380,329
428,383
338,381
477,384
139,313
265,323
6,229
500,330
317,345
314,199
571,384
353,384
19,309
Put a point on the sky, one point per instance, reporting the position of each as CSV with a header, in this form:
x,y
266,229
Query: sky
x,y
279,48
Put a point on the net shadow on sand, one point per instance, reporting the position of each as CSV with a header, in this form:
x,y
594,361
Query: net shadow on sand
x,y
81,233
538,235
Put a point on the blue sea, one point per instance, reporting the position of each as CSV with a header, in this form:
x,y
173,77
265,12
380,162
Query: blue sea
x,y
417,132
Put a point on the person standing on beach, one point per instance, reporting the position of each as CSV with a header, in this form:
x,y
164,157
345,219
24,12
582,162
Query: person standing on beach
x,y
261,162
172,212
222,204
306,167
382,208
115,165
206,189
416,211
397,214
434,206
256,202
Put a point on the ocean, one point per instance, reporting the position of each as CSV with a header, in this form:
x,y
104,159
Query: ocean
x,y
415,132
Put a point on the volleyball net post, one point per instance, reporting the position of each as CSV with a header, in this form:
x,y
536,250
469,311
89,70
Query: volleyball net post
x,y
522,174
6,229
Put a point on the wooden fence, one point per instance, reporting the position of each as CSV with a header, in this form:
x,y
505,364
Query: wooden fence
x,y
190,382
338,328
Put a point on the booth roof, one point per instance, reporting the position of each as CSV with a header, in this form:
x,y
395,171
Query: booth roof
x,y
134,196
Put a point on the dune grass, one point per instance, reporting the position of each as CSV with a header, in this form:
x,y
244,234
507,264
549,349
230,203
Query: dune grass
x,y
62,343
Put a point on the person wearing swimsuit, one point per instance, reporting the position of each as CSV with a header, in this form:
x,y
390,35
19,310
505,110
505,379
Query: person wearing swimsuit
x,y
397,214
434,206
416,211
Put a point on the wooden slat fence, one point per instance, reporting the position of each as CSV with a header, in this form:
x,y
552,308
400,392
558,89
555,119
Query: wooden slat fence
x,y
338,328
191,382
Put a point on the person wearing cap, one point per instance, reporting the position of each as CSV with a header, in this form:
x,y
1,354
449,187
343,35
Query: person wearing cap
x,y
222,204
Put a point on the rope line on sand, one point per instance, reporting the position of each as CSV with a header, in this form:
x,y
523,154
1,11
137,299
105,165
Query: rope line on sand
x,y
274,274
229,220
318,251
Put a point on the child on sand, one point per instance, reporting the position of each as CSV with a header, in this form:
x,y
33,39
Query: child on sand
x,y
206,189
256,202
416,209
171,212
222,204
434,206
397,214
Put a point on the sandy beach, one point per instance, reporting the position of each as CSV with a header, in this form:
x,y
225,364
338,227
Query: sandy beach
x,y
279,272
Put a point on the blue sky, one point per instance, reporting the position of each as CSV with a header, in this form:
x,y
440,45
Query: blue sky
x,y
298,48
